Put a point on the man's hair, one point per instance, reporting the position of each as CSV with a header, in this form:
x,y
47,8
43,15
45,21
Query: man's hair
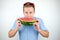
x,y
29,4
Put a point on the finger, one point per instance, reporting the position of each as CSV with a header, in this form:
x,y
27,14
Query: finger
x,y
35,25
37,21
19,25
18,21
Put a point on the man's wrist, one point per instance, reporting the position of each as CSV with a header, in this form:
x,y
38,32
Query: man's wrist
x,y
17,28
39,30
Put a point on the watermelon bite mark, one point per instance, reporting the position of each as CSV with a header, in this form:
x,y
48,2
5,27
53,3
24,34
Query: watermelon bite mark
x,y
27,21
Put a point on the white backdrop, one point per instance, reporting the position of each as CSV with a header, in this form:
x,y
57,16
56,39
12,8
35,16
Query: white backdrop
x,y
48,10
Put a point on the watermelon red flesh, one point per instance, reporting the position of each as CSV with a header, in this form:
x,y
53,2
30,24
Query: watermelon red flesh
x,y
27,19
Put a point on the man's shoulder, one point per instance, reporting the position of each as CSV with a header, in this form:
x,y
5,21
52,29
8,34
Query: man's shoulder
x,y
18,18
38,18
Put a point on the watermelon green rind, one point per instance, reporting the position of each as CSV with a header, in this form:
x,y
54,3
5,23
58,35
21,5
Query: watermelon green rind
x,y
27,23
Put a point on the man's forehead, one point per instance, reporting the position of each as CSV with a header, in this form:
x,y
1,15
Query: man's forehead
x,y
28,9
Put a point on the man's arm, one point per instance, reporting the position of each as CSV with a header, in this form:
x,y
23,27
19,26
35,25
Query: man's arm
x,y
44,33
12,33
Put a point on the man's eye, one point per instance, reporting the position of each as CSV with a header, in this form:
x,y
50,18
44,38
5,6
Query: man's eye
x,y
26,12
30,12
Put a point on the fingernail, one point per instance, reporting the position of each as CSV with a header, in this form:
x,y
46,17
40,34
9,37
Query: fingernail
x,y
18,22
36,21
19,25
35,25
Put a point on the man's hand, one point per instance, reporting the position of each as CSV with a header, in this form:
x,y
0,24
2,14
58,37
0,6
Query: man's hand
x,y
18,24
44,33
37,25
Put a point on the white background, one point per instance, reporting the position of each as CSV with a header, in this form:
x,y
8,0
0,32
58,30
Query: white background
x,y
48,10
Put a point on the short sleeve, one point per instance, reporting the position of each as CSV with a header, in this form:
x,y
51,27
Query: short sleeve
x,y
13,26
42,26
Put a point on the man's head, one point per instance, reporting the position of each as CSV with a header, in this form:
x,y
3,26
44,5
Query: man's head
x,y
28,9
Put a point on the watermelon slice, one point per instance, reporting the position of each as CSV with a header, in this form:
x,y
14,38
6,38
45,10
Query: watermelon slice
x,y
27,21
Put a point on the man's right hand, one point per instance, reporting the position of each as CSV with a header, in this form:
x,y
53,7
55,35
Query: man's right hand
x,y
18,24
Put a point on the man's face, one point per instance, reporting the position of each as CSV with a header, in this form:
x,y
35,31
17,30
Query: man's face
x,y
28,12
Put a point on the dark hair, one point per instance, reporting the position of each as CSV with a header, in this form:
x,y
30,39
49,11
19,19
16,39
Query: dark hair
x,y
29,4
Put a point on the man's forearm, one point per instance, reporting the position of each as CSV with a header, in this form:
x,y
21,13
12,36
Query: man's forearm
x,y
44,33
12,32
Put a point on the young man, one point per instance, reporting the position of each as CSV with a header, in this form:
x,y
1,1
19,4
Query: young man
x,y
29,33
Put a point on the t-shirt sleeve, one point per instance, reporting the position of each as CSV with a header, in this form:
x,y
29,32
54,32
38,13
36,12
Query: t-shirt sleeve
x,y
42,26
13,26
